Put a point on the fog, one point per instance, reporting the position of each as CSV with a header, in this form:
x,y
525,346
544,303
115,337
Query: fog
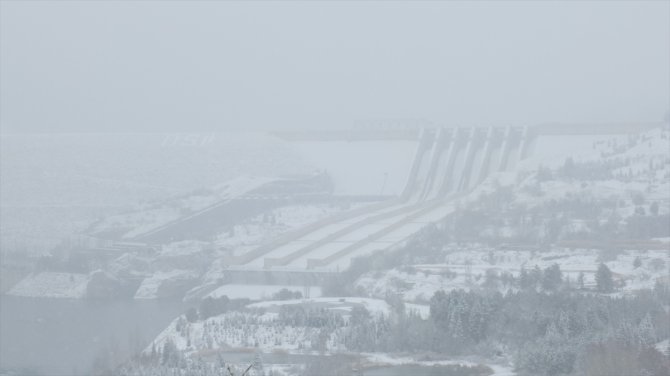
x,y
208,65
334,188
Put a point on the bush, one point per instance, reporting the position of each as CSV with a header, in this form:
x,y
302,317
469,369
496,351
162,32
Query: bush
x,y
286,294
604,281
192,315
211,307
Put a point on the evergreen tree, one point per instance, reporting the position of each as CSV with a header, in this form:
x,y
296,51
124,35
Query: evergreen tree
x,y
647,331
191,314
552,278
154,354
604,280
524,279
491,279
257,363
535,277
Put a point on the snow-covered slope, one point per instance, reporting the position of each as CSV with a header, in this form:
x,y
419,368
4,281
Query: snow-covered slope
x,y
54,185
52,285
467,269
151,216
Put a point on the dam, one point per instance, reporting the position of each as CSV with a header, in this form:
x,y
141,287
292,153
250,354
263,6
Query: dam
x,y
393,181
447,163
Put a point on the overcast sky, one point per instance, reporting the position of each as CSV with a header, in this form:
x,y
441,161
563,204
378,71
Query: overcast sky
x,y
218,65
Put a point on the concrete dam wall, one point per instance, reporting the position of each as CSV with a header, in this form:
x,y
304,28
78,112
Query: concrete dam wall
x,y
446,163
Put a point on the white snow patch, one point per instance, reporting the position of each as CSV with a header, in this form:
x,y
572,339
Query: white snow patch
x,y
52,285
374,306
150,286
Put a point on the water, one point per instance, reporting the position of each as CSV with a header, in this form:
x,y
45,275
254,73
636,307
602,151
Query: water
x,y
65,337
245,358
59,337
415,370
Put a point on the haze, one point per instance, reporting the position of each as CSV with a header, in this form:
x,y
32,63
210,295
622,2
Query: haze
x,y
205,66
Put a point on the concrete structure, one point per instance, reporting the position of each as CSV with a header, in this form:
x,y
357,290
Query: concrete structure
x,y
448,163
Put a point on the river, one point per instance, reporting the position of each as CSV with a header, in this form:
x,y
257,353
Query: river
x,y
65,337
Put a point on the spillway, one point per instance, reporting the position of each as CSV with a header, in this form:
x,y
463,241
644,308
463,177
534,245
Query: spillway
x,y
446,163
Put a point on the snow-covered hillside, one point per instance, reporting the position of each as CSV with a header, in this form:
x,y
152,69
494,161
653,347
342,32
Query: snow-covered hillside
x,y
471,268
152,215
54,185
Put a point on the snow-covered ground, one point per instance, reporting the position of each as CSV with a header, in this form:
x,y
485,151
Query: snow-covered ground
x,y
382,359
552,150
466,269
663,346
421,310
259,329
640,164
344,304
236,330
263,228
150,287
52,285
151,216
